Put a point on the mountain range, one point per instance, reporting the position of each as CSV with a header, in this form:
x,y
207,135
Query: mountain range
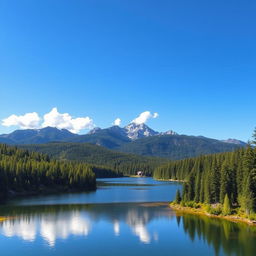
x,y
133,138
119,135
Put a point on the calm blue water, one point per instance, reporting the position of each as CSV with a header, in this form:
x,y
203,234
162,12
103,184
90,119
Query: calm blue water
x,y
96,224
117,190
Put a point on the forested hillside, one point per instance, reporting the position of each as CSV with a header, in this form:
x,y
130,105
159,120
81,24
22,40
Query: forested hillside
x,y
22,172
176,147
213,179
120,163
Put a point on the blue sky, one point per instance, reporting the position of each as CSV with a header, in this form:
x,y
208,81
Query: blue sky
x,y
192,62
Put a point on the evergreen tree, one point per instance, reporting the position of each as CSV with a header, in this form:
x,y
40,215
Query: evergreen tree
x,y
246,200
226,206
215,182
254,137
225,181
178,197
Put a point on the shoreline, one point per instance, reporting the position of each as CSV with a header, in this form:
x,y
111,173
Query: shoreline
x,y
42,192
172,180
5,218
137,176
200,211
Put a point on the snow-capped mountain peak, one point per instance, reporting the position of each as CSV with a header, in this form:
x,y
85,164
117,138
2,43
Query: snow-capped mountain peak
x,y
132,131
136,131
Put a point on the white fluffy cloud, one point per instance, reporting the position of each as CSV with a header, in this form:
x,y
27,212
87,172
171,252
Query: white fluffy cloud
x,y
65,121
53,119
27,121
144,117
117,122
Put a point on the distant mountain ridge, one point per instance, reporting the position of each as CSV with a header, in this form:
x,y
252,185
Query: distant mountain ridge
x,y
111,138
37,136
234,141
133,138
177,147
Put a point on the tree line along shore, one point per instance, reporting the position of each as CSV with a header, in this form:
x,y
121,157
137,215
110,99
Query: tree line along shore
x,y
23,172
219,184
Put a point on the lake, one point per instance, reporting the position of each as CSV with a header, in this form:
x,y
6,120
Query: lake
x,y
125,216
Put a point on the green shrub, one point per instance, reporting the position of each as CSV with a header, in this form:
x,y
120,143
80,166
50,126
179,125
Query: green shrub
x,y
252,216
190,204
216,211
197,206
183,204
207,208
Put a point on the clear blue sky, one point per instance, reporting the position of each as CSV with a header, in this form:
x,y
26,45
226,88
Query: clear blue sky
x,y
193,62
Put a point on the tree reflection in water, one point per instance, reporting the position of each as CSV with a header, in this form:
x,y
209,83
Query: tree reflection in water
x,y
62,221
231,238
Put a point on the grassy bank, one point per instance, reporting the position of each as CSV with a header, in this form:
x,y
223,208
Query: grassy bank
x,y
179,181
135,176
214,212
3,218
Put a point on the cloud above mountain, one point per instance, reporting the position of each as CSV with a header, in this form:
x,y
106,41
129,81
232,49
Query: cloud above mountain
x,y
144,117
27,121
117,122
52,119
65,121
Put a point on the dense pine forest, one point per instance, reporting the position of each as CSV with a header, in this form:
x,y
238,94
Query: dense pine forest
x,y
120,163
227,179
22,171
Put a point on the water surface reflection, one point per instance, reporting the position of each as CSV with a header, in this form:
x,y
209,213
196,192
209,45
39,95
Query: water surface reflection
x,y
120,227
97,224
61,221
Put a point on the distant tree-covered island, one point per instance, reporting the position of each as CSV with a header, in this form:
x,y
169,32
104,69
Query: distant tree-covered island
x,y
220,184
